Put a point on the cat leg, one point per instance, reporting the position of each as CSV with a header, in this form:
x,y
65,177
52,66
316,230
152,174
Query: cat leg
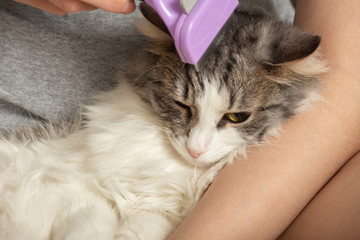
x,y
148,226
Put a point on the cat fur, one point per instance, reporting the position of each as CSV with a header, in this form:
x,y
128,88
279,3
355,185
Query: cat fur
x,y
150,147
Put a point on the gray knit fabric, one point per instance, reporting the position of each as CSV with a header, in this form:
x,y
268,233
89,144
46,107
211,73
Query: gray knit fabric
x,y
50,65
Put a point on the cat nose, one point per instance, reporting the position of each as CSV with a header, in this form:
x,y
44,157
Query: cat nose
x,y
194,153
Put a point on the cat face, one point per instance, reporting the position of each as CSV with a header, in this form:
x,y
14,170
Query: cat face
x,y
207,120
259,75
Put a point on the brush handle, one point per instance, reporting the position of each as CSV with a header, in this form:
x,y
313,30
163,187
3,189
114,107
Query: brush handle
x,y
193,33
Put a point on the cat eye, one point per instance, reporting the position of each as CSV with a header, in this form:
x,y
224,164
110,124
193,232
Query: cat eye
x,y
183,106
237,117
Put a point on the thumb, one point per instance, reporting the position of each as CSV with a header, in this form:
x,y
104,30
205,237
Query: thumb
x,y
115,6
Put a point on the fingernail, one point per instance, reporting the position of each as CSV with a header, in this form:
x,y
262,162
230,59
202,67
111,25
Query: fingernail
x,y
129,7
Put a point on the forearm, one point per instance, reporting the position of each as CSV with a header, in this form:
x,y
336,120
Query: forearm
x,y
257,197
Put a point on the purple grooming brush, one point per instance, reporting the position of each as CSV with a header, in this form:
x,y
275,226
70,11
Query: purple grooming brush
x,y
194,24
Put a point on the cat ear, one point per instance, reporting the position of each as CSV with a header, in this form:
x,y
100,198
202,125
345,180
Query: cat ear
x,y
292,46
293,51
153,26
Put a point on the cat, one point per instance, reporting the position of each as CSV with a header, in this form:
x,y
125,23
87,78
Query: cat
x,y
150,147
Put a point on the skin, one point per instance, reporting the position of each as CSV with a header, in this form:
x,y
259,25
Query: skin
x,y
62,7
328,217
334,212
260,196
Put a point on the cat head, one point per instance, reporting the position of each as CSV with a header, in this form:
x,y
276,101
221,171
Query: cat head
x,y
260,74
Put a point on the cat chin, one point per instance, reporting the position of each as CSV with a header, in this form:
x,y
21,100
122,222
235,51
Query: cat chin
x,y
201,162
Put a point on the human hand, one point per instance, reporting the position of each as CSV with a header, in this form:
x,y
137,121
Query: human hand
x,y
62,7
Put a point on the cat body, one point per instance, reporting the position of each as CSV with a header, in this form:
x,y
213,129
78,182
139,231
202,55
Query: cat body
x,y
152,146
78,186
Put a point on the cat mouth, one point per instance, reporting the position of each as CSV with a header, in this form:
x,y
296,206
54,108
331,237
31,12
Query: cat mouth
x,y
203,160
196,159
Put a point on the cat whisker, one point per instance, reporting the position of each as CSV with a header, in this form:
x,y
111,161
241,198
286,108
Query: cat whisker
x,y
148,70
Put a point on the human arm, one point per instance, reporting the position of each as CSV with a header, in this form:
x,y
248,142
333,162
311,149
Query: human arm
x,y
62,7
258,197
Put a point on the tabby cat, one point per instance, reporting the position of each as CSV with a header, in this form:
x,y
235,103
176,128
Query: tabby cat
x,y
151,146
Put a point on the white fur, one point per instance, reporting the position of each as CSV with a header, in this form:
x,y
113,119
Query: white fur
x,y
118,178
206,144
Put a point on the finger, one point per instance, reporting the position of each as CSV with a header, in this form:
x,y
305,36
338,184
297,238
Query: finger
x,y
44,5
72,6
115,6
